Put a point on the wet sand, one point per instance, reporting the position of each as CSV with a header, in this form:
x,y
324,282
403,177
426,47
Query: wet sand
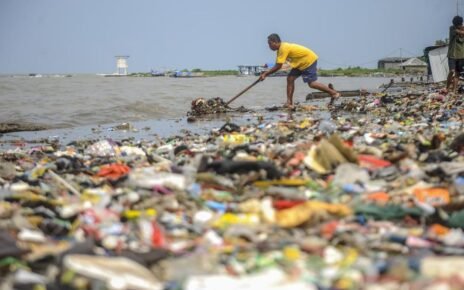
x,y
17,127
147,130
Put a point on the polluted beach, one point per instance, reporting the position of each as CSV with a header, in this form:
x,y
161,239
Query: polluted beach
x,y
360,194
279,176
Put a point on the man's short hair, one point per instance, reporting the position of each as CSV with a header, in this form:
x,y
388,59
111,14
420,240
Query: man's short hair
x,y
457,20
274,37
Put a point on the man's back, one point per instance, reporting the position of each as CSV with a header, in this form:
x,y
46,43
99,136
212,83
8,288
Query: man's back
x,y
456,44
300,57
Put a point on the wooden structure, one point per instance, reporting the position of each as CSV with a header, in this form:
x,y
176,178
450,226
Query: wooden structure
x,y
391,62
322,95
414,65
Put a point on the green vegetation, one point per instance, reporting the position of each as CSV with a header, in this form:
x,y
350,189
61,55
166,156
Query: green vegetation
x,y
350,72
213,73
206,73
357,71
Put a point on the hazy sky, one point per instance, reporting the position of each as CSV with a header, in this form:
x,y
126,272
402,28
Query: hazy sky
x,y
83,36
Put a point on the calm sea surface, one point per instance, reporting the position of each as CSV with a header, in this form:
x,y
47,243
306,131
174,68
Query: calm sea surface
x,y
61,102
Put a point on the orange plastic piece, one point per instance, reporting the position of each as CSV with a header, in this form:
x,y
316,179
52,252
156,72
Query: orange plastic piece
x,y
328,229
296,159
432,196
379,196
348,143
113,171
438,229
372,162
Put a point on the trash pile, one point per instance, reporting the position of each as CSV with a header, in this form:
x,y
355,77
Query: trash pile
x,y
429,101
372,202
201,106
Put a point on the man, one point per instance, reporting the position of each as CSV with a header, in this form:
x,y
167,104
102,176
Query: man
x,y
455,53
303,62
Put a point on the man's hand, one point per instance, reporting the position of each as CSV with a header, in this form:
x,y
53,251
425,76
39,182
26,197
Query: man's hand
x,y
263,76
271,71
460,31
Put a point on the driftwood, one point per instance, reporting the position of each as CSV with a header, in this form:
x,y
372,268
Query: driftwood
x,y
322,95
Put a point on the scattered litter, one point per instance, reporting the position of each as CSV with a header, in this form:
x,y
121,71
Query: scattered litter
x,y
370,197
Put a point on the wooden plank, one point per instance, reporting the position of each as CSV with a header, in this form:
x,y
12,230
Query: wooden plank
x,y
322,95
403,85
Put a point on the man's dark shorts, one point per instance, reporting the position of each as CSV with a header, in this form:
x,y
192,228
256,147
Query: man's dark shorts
x,y
309,74
456,64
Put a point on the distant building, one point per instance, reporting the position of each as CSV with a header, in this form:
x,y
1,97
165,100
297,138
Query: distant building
x,y
391,62
414,65
250,70
121,65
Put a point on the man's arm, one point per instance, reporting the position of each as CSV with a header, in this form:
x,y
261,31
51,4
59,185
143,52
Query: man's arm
x,y
275,68
460,31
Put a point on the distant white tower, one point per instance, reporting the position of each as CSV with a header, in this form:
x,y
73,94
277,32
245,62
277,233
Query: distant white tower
x,y
121,64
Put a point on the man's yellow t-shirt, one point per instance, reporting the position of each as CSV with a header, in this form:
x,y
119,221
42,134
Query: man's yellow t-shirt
x,y
298,56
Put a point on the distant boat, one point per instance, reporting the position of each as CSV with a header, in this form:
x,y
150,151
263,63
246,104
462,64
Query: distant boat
x,y
283,72
155,73
186,74
280,73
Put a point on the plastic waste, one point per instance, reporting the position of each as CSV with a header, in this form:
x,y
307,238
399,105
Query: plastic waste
x,y
270,279
349,173
442,267
433,196
368,196
113,171
103,148
116,272
234,139
229,219
148,177
314,211
327,127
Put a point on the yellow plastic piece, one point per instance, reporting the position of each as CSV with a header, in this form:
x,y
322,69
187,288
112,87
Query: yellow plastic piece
x,y
305,124
236,139
351,256
229,219
285,182
134,214
292,254
309,211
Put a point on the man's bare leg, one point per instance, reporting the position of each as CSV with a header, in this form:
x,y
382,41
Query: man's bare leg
x,y
290,91
456,82
450,81
321,87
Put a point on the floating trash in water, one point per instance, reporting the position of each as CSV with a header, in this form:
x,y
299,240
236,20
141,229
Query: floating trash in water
x,y
202,106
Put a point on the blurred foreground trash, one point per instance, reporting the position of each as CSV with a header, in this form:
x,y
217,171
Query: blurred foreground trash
x,y
371,198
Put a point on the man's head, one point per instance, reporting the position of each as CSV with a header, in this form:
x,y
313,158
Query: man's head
x,y
274,41
457,21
